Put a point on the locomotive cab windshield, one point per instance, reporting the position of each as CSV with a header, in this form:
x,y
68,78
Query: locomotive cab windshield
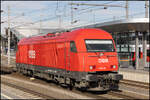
x,y
99,45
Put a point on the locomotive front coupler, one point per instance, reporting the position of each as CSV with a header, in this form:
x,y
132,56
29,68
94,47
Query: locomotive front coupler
x,y
116,77
112,76
91,77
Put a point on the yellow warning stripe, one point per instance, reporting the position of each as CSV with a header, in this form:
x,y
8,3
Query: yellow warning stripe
x,y
125,60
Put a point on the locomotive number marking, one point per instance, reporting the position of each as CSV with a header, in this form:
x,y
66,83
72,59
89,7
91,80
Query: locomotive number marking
x,y
102,68
103,60
31,54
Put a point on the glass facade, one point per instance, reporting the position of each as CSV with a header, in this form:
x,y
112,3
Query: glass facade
x,y
125,44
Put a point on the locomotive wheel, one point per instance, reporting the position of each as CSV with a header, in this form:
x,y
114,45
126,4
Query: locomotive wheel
x,y
83,89
29,73
17,69
71,85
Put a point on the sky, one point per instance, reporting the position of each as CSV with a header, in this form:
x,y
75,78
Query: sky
x,y
58,14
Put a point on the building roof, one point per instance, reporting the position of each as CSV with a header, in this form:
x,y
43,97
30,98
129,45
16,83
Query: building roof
x,y
134,24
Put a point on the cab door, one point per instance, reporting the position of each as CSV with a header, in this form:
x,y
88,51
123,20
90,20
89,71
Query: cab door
x,y
67,57
71,56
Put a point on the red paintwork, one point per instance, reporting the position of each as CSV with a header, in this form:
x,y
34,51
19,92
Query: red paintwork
x,y
55,51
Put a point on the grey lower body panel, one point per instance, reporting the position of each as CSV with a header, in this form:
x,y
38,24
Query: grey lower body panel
x,y
78,76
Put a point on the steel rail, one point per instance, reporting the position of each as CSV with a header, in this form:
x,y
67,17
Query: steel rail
x,y
121,95
135,84
118,94
99,95
90,94
28,90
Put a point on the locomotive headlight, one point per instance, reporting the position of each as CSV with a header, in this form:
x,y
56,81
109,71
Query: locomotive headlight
x,y
114,66
91,67
101,54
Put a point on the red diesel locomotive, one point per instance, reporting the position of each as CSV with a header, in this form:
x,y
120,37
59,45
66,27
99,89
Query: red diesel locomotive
x,y
83,58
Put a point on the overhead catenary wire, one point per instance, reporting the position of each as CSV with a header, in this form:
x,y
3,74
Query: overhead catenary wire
x,y
95,6
86,9
103,20
78,10
66,15
26,14
35,22
39,20
30,12
105,5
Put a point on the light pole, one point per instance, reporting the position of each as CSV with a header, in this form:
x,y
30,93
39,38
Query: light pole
x,y
40,24
60,21
146,8
71,14
8,52
127,9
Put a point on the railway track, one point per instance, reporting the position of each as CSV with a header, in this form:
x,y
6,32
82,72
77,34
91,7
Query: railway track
x,y
28,90
109,95
121,95
97,95
135,84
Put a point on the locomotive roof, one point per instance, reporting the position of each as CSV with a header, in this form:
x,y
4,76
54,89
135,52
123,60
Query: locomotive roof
x,y
65,36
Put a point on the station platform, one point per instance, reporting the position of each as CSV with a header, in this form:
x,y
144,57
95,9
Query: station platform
x,y
135,75
4,63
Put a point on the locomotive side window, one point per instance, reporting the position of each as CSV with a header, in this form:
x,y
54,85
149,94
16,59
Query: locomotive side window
x,y
73,46
99,45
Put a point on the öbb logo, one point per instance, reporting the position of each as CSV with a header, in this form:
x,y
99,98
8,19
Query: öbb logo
x,y
31,54
103,60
